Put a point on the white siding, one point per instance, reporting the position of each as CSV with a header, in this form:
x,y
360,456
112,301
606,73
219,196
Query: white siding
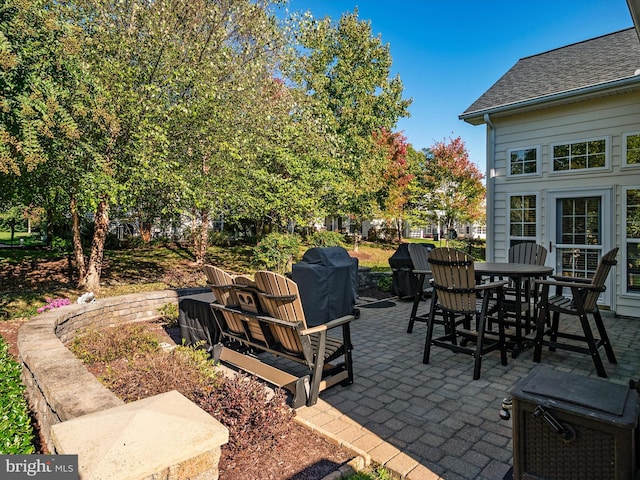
x,y
608,117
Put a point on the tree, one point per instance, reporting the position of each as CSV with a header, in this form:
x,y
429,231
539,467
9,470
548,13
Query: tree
x,y
180,77
345,71
448,186
397,177
52,120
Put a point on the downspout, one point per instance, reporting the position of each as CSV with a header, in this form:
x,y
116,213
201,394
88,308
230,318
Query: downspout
x,y
491,140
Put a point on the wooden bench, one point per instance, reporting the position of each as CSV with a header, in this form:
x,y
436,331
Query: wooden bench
x,y
269,318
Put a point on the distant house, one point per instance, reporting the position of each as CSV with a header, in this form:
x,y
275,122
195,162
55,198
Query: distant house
x,y
563,159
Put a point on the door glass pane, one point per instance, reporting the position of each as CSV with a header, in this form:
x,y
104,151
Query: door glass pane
x,y
578,227
579,262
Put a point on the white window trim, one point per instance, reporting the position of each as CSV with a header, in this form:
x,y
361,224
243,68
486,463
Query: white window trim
x,y
623,236
624,163
521,237
582,171
537,173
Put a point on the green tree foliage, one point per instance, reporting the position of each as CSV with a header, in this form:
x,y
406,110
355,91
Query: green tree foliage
x,y
447,187
154,108
345,70
52,120
36,83
277,252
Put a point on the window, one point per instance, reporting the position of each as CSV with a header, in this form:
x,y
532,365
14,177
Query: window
x,y
522,218
631,148
632,239
584,155
523,161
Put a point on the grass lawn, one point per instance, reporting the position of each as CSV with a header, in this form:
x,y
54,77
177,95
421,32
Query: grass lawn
x,y
28,239
29,276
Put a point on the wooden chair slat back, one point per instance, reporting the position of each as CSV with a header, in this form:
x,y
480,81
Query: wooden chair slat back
x,y
419,256
454,279
218,278
283,309
528,252
233,321
600,277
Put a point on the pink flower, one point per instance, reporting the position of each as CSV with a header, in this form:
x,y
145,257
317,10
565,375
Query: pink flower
x,y
54,303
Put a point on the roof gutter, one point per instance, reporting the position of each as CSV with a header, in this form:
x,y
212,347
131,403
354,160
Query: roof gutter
x,y
634,10
490,188
555,98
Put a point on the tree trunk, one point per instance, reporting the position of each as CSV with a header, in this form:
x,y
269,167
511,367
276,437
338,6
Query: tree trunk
x,y
201,237
145,231
78,253
101,226
399,229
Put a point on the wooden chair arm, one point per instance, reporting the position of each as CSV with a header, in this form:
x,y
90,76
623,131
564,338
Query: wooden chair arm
x,y
583,286
561,278
492,285
282,298
275,321
329,325
221,287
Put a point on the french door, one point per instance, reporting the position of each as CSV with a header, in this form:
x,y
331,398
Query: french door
x,y
580,230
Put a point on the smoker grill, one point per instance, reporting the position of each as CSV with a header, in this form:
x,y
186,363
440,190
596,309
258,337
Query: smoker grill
x,y
569,427
327,279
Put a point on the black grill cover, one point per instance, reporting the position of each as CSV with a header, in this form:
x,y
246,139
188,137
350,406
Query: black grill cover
x,y
327,279
405,283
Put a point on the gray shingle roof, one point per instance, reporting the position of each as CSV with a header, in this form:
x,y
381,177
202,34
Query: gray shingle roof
x,y
592,62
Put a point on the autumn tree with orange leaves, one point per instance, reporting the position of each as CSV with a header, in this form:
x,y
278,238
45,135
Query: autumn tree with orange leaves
x,y
448,187
394,196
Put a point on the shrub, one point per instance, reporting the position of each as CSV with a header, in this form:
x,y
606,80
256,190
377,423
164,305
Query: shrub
x,y
16,432
183,369
61,245
326,238
125,341
385,283
243,405
218,238
170,314
276,252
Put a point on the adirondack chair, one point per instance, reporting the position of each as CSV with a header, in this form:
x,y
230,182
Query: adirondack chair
x,y
226,289
313,345
272,320
456,293
583,300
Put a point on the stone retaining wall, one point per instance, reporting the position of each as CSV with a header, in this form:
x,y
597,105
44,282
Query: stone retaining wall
x,y
59,387
368,278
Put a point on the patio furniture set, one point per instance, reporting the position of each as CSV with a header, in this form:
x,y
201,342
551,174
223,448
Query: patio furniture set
x,y
480,307
497,306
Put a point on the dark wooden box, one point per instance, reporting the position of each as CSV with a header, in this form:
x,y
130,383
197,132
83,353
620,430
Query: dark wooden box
x,y
599,420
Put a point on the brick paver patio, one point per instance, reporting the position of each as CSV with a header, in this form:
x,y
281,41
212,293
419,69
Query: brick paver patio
x,y
433,421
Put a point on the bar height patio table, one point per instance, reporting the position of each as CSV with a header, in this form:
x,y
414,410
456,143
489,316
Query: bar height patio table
x,y
518,272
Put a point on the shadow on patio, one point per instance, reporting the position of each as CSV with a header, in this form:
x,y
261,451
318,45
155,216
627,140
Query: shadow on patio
x,y
433,421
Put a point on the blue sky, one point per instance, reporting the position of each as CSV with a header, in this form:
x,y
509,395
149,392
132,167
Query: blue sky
x,y
449,52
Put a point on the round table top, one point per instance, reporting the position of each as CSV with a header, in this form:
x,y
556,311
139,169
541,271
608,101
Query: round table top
x,y
512,269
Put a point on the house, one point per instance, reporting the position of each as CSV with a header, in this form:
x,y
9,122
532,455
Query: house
x,y
563,159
